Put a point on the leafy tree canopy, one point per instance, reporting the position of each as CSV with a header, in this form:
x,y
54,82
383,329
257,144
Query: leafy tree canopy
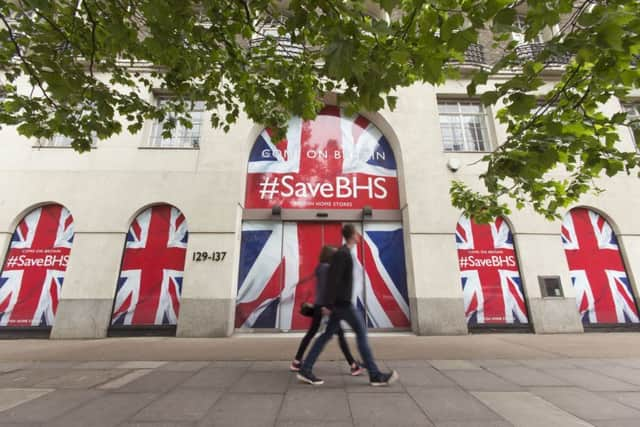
x,y
90,64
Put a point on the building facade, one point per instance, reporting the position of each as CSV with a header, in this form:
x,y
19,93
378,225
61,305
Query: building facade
x,y
208,234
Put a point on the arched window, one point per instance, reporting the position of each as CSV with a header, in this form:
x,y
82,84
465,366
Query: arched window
x,y
489,272
35,266
150,282
598,274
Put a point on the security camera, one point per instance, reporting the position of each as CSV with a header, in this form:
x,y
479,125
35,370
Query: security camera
x,y
453,164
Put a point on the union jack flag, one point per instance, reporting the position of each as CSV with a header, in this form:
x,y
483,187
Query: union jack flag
x,y
598,275
150,282
34,269
491,284
277,262
334,161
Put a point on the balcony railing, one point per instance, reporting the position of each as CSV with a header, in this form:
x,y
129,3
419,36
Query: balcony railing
x,y
475,54
530,51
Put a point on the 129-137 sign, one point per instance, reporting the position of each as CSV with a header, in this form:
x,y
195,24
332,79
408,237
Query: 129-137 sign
x,y
215,256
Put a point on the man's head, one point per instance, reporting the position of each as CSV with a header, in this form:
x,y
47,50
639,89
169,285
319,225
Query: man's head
x,y
350,235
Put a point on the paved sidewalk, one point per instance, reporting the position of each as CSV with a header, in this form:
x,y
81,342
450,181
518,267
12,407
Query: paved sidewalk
x,y
476,381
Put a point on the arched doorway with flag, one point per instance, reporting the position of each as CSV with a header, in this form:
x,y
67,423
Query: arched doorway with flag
x,y
329,171
604,295
147,298
33,272
492,288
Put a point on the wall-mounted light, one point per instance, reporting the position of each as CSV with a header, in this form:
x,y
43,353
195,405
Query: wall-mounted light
x,y
453,164
367,212
276,210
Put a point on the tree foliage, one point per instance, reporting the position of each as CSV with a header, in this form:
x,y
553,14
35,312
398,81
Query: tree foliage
x,y
90,65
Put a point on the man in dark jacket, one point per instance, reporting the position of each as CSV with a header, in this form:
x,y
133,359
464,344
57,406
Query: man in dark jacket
x,y
339,292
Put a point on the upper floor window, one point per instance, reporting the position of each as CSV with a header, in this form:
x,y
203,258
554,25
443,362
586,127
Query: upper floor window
x,y
633,116
180,136
521,28
62,141
463,125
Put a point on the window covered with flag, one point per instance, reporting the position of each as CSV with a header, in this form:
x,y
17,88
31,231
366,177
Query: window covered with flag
x,y
490,275
602,287
34,269
150,283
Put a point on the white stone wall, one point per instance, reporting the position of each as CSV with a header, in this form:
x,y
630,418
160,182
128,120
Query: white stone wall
x,y
107,187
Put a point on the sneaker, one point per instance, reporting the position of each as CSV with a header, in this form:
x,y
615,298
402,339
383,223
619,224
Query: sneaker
x,y
383,379
356,369
295,366
309,378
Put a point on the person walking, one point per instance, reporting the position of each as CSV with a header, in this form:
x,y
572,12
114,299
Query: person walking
x,y
338,303
320,301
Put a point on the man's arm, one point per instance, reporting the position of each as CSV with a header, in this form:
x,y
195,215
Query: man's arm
x,y
334,276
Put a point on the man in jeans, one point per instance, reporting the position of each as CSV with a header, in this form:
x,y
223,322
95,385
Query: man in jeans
x,y
339,291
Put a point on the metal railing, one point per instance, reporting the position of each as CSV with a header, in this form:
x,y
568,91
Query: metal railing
x,y
475,54
530,51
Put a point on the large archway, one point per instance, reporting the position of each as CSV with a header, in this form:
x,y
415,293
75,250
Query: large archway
x,y
329,171
150,283
34,268
598,274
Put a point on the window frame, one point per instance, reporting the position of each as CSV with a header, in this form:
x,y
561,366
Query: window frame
x,y
485,114
156,129
632,108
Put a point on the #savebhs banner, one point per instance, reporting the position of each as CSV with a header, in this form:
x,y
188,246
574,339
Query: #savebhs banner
x,y
489,271
33,273
333,162
150,283
598,275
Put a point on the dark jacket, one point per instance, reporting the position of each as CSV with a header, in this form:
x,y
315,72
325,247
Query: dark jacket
x,y
340,278
322,271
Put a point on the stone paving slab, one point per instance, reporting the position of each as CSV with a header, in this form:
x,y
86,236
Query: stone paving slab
x,y
525,376
481,380
392,409
49,406
591,380
524,409
244,410
179,405
10,398
451,404
585,404
315,404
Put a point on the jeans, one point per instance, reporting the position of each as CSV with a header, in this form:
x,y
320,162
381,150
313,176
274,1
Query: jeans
x,y
315,325
348,314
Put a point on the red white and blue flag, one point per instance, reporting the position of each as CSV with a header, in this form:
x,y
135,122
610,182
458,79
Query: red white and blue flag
x,y
598,275
333,162
277,263
150,281
34,269
491,284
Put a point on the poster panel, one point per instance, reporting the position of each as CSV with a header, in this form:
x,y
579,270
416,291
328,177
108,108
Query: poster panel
x,y
490,275
598,275
332,162
34,269
150,283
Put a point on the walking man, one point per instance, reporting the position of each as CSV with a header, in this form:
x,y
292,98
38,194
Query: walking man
x,y
339,292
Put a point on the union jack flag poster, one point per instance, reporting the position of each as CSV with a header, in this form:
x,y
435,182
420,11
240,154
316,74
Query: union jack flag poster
x,y
491,284
333,162
34,269
277,264
150,282
598,275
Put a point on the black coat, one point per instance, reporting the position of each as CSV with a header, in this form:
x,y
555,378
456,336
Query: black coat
x,y
340,278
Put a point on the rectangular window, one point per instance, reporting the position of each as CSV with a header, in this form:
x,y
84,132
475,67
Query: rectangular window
x,y
62,141
181,136
463,125
633,116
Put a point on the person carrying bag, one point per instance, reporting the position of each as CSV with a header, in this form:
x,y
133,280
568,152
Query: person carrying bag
x,y
316,313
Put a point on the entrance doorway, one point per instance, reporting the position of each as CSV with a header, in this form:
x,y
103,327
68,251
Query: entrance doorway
x,y
277,265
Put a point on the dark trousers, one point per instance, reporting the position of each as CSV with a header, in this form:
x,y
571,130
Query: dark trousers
x,y
348,314
315,325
